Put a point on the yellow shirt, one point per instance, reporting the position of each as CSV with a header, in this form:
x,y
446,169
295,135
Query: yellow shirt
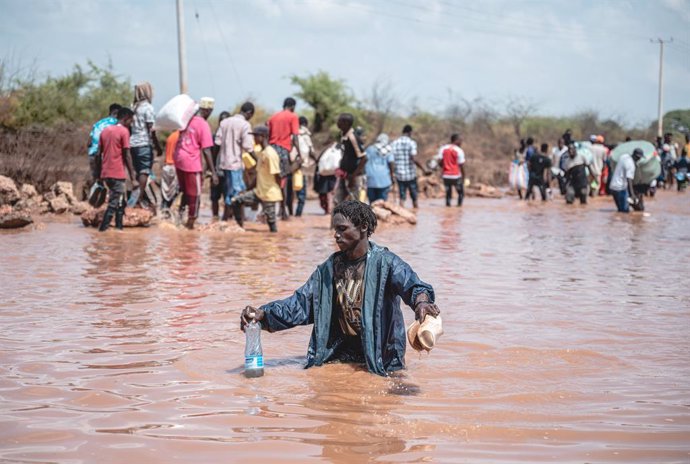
x,y
268,166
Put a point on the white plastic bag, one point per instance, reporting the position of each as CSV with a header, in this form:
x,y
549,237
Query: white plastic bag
x,y
176,114
330,160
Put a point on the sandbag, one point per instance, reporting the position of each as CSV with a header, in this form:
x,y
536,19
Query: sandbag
x,y
176,114
647,168
518,176
330,160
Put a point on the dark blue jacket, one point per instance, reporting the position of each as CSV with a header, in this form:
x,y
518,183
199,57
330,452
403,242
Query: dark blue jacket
x,y
388,279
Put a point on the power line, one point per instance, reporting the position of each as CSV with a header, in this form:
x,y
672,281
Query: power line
x,y
227,48
203,44
533,34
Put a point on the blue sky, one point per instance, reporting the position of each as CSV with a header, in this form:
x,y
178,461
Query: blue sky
x,y
564,55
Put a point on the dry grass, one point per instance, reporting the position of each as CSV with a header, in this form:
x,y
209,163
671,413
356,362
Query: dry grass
x,y
43,156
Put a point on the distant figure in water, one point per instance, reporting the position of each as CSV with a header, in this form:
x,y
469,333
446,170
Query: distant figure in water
x,y
621,186
353,299
539,164
576,167
452,160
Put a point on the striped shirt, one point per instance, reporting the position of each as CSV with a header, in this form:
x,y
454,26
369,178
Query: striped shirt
x,y
404,148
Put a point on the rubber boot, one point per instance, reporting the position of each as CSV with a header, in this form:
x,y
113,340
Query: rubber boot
x,y
237,212
107,217
272,227
119,219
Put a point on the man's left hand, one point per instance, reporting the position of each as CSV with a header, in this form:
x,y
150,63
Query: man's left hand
x,y
424,308
214,178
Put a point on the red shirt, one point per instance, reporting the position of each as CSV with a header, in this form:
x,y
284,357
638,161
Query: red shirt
x,y
451,157
114,139
281,127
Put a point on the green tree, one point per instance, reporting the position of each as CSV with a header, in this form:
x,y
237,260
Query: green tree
x,y
326,96
677,121
81,97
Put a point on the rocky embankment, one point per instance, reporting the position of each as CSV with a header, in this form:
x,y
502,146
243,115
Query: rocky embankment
x,y
21,204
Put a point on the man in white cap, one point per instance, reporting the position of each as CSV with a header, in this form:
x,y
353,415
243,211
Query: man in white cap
x,y
194,139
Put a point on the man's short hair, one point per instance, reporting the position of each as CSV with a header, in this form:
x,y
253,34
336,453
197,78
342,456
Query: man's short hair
x,y
358,213
247,107
122,113
303,121
289,103
349,117
114,107
407,129
454,138
530,140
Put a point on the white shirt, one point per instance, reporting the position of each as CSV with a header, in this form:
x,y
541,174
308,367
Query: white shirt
x,y
556,154
625,169
599,152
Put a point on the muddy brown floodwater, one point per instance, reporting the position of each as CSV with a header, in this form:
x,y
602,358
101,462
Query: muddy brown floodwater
x,y
567,340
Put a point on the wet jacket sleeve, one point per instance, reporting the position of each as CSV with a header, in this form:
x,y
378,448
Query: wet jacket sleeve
x,y
295,310
407,284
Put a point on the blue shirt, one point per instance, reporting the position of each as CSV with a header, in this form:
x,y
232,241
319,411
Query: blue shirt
x,y
530,152
95,134
377,170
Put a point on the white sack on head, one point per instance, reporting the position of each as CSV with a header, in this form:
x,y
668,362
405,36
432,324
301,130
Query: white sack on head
x,y
176,114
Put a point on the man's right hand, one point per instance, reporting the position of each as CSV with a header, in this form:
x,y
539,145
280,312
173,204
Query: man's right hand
x,y
250,314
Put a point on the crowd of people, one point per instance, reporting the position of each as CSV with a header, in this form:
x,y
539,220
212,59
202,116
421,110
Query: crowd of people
x,y
251,166
566,169
270,165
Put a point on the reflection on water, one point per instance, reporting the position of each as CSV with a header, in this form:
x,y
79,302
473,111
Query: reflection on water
x,y
566,341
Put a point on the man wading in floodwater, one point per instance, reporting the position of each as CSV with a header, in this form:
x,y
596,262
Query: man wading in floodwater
x,y
353,299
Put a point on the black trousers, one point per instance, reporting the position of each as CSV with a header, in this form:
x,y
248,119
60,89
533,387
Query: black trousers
x,y
535,182
459,187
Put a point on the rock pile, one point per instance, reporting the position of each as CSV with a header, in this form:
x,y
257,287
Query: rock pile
x,y
134,217
12,216
60,199
393,214
482,190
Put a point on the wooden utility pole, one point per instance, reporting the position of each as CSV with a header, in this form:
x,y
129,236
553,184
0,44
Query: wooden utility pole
x,y
182,56
660,115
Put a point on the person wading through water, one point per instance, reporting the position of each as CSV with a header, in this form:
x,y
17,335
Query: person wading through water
x,y
234,137
353,299
194,140
283,128
111,160
143,139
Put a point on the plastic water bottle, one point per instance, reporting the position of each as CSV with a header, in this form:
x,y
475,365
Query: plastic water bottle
x,y
253,354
